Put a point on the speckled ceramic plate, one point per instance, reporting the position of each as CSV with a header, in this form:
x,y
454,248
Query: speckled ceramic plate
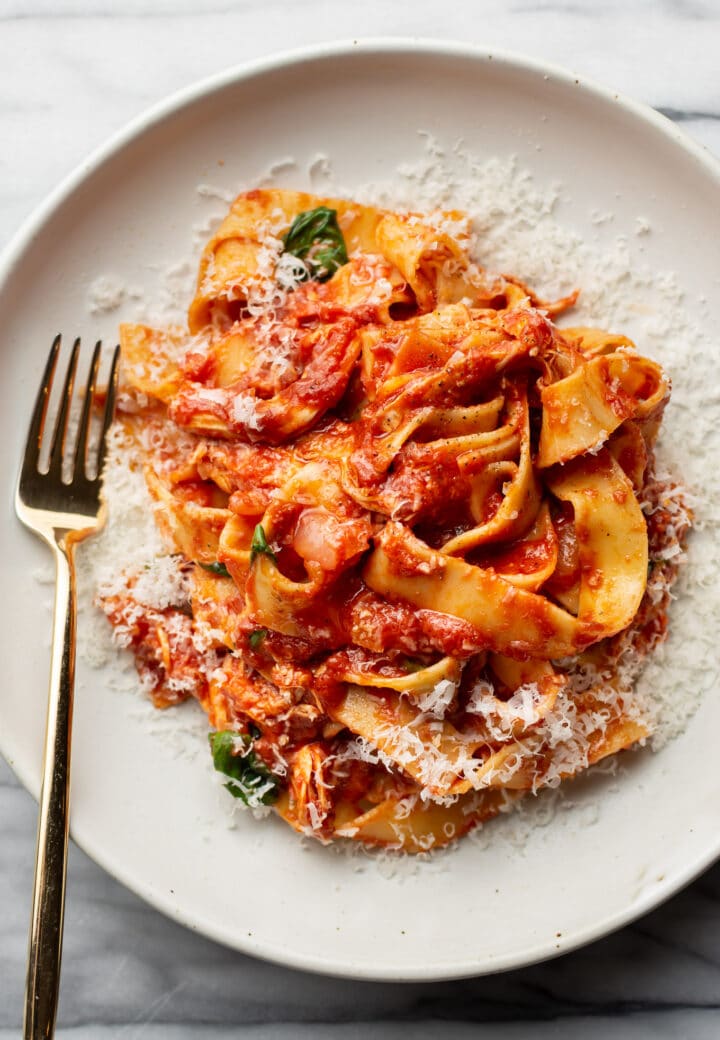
x,y
152,817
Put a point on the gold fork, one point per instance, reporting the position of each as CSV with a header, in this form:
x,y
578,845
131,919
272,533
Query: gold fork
x,y
62,512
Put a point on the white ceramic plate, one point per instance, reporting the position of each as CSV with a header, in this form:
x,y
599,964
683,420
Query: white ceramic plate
x,y
152,818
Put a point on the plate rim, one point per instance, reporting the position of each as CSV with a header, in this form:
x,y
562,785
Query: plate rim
x,y
215,82
22,240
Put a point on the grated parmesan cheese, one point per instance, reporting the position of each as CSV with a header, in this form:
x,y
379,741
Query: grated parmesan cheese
x,y
513,228
437,700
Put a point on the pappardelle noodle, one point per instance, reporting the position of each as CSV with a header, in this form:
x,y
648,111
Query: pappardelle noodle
x,y
413,523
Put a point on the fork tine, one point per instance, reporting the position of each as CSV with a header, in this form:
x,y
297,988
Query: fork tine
x,y
57,446
109,410
80,460
37,423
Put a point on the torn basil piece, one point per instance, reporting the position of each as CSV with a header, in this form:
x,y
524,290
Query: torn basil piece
x,y
259,544
216,568
256,637
411,665
249,778
316,238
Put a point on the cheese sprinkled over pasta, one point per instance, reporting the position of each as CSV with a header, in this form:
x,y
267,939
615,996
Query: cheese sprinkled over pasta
x,y
416,547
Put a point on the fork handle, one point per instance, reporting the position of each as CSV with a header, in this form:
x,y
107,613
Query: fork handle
x,y
48,905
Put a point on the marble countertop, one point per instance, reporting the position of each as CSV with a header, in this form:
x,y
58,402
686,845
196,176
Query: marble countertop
x,y
73,72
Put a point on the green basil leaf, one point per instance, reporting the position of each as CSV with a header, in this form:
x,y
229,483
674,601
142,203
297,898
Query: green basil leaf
x,y
316,238
259,544
411,665
216,568
257,637
250,779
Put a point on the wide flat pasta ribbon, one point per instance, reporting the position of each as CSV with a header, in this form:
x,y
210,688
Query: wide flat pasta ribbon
x,y
581,411
612,541
237,410
411,825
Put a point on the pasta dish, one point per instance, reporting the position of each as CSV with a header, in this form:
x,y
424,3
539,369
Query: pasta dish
x,y
416,546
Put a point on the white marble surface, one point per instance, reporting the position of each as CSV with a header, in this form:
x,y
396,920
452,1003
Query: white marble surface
x,y
74,71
